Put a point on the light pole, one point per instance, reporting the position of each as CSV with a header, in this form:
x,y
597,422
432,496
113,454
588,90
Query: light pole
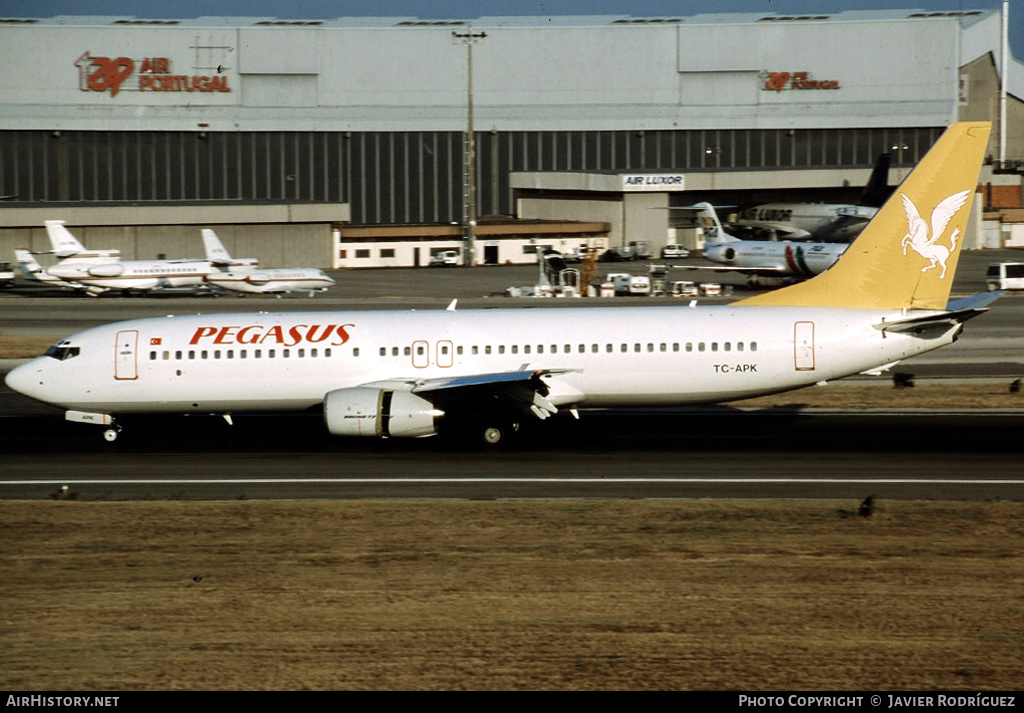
x,y
469,38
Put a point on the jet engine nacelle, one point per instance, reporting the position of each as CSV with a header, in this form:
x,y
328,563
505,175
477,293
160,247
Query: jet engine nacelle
x,y
384,413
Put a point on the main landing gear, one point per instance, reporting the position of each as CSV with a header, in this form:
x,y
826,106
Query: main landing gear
x,y
494,431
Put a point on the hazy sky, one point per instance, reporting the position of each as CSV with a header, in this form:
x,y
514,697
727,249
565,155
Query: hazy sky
x,y
469,9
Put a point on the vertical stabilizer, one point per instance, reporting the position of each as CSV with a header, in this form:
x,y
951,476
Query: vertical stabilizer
x,y
215,250
877,190
218,255
707,217
28,265
64,243
906,256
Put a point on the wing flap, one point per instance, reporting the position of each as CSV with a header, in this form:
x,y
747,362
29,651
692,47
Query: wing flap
x,y
529,391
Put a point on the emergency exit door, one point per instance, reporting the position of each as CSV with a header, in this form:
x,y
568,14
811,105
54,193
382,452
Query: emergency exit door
x,y
126,365
803,346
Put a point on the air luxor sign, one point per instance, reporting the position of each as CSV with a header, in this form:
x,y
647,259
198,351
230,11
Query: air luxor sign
x,y
653,182
102,74
778,81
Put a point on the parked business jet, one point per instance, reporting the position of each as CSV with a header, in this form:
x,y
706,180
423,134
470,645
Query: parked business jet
x,y
762,258
241,274
816,221
98,271
411,374
134,275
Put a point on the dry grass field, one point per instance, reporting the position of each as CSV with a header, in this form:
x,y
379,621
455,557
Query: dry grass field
x,y
681,594
24,347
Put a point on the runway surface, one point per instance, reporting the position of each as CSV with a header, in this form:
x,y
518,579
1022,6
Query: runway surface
x,y
643,454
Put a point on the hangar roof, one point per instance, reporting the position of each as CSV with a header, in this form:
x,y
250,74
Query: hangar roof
x,y
967,17
703,71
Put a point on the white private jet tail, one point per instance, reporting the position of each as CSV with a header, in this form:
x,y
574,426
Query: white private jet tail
x,y
67,247
64,243
218,255
30,267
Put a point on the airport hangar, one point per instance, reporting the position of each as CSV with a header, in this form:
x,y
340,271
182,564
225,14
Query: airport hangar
x,y
342,143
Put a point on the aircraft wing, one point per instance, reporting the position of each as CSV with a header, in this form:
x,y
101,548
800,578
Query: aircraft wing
x,y
767,231
746,270
526,390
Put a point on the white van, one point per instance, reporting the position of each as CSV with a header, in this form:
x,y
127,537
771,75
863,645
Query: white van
x,y
1005,276
626,284
445,258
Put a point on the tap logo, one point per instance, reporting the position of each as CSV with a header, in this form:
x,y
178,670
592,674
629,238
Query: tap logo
x,y
100,74
924,238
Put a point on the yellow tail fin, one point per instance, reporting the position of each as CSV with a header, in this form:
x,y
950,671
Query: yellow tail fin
x,y
905,258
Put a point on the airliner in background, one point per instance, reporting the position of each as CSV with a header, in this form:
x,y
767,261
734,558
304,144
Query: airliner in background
x,y
761,258
482,373
243,276
825,222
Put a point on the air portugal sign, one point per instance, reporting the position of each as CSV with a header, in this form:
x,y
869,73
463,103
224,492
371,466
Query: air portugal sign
x,y
780,81
149,74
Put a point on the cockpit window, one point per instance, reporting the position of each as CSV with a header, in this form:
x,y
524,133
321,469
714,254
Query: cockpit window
x,y
62,352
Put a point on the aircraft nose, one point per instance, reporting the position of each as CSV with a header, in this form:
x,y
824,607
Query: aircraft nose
x,y
25,380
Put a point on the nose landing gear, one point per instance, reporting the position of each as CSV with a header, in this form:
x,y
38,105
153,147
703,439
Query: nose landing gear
x,y
112,431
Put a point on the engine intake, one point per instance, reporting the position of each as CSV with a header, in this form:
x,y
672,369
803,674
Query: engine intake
x,y
383,413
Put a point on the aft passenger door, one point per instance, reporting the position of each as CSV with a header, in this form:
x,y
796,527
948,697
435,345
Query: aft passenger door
x,y
126,365
803,346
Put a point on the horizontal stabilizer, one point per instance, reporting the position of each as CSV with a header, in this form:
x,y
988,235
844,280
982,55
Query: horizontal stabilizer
x,y
938,320
977,302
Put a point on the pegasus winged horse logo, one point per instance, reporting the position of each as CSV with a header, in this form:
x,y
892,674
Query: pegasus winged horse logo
x,y
924,244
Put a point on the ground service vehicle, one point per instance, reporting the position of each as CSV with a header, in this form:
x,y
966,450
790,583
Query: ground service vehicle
x,y
1005,276
445,258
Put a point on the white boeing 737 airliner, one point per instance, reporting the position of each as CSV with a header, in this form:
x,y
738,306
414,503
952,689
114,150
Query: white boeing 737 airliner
x,y
393,374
